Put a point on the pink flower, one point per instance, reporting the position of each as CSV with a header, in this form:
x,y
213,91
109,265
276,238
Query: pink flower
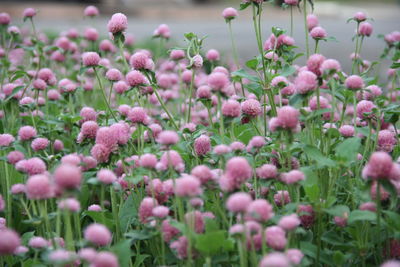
x,y
360,16
222,149
330,65
237,146
160,212
231,108
259,210
167,138
9,240
314,63
347,130
94,207
29,12
172,159
146,209
6,139
203,173
14,156
98,234
275,259
306,215
187,186
177,54
238,169
137,115
148,161
202,145
288,117
305,81
113,75
364,106
294,255
31,166
379,166
289,222
365,29
140,60
181,247
195,220
251,107
38,242
267,171
87,254
238,202
354,82
100,152
68,176
70,204
135,78
312,21
5,18
168,231
90,59
292,2
162,31
386,140
318,33
217,81
230,13
212,55
106,176
39,187
197,61
91,11
39,144
118,23
282,198
275,237
292,177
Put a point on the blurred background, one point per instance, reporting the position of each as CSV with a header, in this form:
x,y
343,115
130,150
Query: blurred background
x,y
204,18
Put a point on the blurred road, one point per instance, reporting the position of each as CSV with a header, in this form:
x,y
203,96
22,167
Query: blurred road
x,y
206,20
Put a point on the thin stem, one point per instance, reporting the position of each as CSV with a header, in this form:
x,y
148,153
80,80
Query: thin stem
x,y
191,95
291,21
306,28
234,49
221,117
103,93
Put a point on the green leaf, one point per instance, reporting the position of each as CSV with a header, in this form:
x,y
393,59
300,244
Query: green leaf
x,y
123,252
213,243
288,70
395,65
338,210
243,74
252,64
14,92
97,216
361,215
312,192
316,155
127,213
348,149
243,6
139,235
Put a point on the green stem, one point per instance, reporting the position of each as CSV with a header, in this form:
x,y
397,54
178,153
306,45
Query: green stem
x,y
190,96
234,49
306,28
103,93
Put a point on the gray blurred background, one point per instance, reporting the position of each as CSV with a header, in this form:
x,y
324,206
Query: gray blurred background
x,y
204,18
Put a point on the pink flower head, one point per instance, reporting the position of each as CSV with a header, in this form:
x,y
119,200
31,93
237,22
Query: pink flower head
x,y
113,75
294,255
314,63
137,115
275,259
135,78
222,149
289,222
231,108
70,204
177,54
38,242
354,82
204,91
267,171
195,220
68,176
306,215
386,140
347,130
31,166
172,159
318,33
323,103
107,136
140,60
187,186
256,142
238,170
9,241
106,176
365,29
29,12
118,23
251,107
5,18
279,81
39,187
39,144
94,207
379,166
364,106
288,117
148,161
305,81
292,177
230,13
160,212
292,2
146,209
91,11
202,145
212,55
100,152
58,145
275,237
282,198
98,234
238,202
217,81
360,16
330,65
259,210
6,139
168,138
39,84
312,21
237,146
163,31
14,156
197,61
90,59
88,114
203,173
